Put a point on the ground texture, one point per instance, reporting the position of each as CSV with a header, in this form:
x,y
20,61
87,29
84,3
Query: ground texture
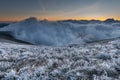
x,y
94,61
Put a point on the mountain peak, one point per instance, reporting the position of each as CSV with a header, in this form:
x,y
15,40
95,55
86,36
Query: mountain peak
x,y
30,20
110,20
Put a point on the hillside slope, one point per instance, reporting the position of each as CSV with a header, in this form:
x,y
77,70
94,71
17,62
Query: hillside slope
x,y
94,61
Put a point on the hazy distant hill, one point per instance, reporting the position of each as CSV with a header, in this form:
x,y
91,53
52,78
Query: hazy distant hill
x,y
62,33
3,24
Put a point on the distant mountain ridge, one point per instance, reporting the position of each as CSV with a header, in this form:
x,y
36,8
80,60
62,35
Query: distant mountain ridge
x,y
109,20
61,33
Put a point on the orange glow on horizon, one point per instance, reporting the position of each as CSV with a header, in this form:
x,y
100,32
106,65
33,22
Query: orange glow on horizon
x,y
12,19
82,18
60,18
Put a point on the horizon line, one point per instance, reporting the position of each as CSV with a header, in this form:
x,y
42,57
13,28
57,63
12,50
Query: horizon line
x,y
89,19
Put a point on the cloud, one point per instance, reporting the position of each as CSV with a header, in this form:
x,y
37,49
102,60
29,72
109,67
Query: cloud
x,y
62,33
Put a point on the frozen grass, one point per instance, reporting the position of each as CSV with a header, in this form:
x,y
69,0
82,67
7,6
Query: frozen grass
x,y
95,61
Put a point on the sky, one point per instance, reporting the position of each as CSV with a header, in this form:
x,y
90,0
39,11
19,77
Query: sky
x,y
15,10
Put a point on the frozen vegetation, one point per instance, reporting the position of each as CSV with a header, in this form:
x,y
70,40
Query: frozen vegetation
x,y
62,50
93,61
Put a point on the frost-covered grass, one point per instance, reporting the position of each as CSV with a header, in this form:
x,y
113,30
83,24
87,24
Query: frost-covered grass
x,y
94,61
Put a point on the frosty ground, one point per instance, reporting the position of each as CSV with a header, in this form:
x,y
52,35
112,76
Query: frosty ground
x,y
93,61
